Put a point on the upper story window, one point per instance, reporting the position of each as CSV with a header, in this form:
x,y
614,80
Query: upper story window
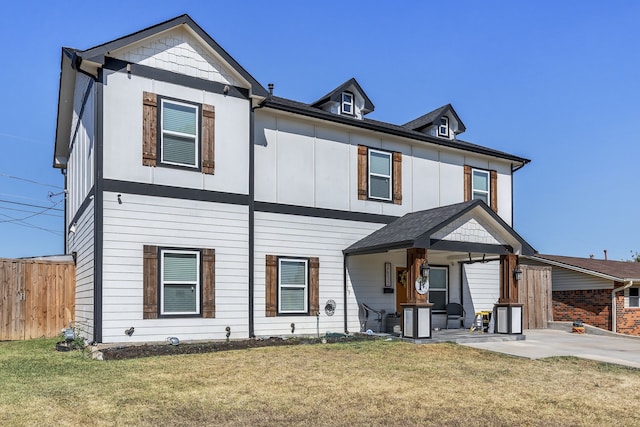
x,y
293,285
443,128
179,134
180,282
346,106
380,178
634,297
480,185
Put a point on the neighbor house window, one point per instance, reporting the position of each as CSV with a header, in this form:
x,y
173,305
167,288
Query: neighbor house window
x,y
293,285
347,103
179,134
380,174
180,281
438,287
480,186
634,297
443,128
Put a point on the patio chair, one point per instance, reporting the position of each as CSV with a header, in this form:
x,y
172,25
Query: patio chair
x,y
379,316
455,311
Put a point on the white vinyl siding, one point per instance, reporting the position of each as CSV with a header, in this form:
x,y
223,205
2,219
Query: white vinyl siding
x,y
480,287
293,285
180,282
379,175
179,135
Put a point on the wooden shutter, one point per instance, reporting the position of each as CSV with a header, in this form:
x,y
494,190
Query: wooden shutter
x,y
493,189
208,138
467,183
362,172
208,283
397,178
271,285
150,282
314,286
149,128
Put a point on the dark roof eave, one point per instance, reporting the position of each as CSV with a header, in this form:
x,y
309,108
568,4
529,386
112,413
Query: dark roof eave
x,y
379,248
320,114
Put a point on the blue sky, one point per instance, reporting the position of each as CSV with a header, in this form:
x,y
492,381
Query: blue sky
x,y
553,81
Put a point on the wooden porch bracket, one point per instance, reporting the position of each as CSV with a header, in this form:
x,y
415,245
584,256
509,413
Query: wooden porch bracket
x,y
415,258
508,284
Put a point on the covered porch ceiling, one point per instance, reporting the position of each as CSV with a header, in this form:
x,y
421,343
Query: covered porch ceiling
x,y
463,227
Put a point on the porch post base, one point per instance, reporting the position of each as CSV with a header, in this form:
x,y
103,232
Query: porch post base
x,y
416,320
508,318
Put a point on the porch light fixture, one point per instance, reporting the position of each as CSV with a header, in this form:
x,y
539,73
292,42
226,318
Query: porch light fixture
x,y
424,271
422,283
517,273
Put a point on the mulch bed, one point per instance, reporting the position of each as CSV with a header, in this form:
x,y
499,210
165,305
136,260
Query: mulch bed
x,y
148,350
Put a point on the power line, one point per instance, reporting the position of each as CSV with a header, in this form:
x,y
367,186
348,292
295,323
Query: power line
x,y
30,216
26,224
33,206
24,210
29,181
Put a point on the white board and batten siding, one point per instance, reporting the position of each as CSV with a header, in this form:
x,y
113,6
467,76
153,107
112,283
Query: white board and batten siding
x,y
145,220
123,136
299,236
480,287
307,163
82,242
80,165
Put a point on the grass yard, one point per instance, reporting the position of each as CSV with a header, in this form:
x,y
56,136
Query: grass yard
x,y
360,383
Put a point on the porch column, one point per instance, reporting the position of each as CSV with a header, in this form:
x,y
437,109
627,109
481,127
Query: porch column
x,y
508,284
415,258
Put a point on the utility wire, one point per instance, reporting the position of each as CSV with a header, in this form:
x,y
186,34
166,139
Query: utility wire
x,y
33,206
29,181
30,216
26,224
25,210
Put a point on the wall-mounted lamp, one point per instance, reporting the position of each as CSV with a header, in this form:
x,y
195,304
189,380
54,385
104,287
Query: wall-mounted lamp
x,y
424,271
422,284
119,199
517,273
73,228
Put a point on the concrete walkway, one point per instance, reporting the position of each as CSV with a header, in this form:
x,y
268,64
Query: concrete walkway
x,y
542,343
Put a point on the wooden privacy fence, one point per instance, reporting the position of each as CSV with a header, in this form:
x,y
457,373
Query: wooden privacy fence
x,y
37,298
534,291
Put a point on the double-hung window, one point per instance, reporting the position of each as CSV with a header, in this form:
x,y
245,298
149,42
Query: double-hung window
x,y
480,185
443,128
179,134
180,282
438,287
346,105
634,297
293,285
380,175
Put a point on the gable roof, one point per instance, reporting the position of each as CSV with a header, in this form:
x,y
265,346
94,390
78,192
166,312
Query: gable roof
x,y
290,106
619,271
434,117
415,229
335,95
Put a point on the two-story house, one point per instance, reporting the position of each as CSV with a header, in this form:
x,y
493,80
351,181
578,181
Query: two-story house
x,y
200,205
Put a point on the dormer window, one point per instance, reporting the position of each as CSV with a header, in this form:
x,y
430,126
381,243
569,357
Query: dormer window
x,y
443,128
347,103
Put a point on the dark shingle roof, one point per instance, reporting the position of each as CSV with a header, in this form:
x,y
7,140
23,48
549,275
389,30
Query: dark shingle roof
x,y
431,117
284,104
620,270
414,229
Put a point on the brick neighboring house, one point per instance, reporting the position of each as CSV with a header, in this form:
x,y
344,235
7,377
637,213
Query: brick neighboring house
x,y
591,290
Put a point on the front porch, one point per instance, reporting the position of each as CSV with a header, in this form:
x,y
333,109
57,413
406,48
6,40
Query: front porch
x,y
460,254
458,336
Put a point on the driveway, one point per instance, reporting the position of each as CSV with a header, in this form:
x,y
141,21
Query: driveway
x,y
542,343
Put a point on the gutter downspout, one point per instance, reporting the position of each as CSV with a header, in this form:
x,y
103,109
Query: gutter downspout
x,y
614,310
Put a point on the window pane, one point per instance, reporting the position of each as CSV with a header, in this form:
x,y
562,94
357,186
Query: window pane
x,y
439,299
480,181
481,196
179,118
179,298
379,187
180,150
292,273
634,292
292,299
180,267
380,163
437,278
